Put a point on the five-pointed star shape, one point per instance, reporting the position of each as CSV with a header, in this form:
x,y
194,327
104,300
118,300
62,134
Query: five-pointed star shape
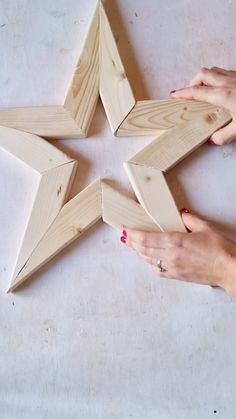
x,y
53,226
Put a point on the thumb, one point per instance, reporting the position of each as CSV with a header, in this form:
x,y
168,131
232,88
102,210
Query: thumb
x,y
225,135
193,223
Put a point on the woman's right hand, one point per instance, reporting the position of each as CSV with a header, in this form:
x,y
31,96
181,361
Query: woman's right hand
x,y
218,87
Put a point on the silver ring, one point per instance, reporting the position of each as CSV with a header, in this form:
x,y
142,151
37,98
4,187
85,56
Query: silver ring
x,y
159,265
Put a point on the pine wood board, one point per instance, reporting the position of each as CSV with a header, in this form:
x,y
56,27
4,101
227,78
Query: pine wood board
x,y
175,144
155,197
115,89
38,154
152,117
83,92
52,192
76,217
46,121
122,212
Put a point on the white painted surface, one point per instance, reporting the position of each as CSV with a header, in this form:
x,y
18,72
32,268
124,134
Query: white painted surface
x,y
95,334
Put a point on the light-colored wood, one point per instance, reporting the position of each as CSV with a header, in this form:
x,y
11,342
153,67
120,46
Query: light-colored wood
x,y
83,93
100,69
37,153
47,121
74,219
154,195
153,117
52,192
175,144
121,212
115,89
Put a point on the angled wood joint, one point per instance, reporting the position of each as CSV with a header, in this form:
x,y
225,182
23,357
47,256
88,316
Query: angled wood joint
x,y
100,71
146,169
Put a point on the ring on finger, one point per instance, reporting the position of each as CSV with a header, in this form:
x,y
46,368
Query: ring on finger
x,y
159,265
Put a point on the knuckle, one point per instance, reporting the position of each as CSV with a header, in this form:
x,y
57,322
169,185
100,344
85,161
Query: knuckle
x,y
226,93
176,240
175,258
142,239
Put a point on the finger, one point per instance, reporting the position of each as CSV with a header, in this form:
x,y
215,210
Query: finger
x,y
230,73
208,77
208,94
225,135
145,239
194,223
152,262
154,240
150,252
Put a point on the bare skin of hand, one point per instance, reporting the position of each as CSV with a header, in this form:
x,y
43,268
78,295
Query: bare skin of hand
x,y
203,256
218,87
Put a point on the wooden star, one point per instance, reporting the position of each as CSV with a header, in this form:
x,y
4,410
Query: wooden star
x,y
182,126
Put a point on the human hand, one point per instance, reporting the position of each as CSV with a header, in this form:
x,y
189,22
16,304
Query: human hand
x,y
218,87
203,256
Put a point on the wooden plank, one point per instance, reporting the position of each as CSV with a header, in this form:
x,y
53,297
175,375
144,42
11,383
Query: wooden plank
x,y
153,117
37,153
121,212
52,192
83,93
175,144
46,121
115,89
154,195
74,219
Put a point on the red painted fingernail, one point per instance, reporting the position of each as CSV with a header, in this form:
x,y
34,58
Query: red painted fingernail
x,y
211,142
172,91
124,233
123,239
185,211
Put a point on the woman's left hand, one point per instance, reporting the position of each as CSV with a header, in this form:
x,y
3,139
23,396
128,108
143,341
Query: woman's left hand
x,y
203,256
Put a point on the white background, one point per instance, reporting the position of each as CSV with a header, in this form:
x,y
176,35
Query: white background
x,y
96,334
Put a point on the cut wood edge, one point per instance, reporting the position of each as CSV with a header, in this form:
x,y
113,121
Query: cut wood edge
x,y
35,152
177,143
83,93
155,197
45,121
121,212
76,217
153,117
53,190
115,90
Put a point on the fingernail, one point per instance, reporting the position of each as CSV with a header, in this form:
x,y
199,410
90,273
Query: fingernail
x,y
172,91
185,211
124,233
211,142
123,240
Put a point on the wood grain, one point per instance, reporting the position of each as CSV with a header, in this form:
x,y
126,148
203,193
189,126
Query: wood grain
x,y
152,117
155,197
77,216
45,121
175,144
121,212
52,192
83,93
115,89
37,153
